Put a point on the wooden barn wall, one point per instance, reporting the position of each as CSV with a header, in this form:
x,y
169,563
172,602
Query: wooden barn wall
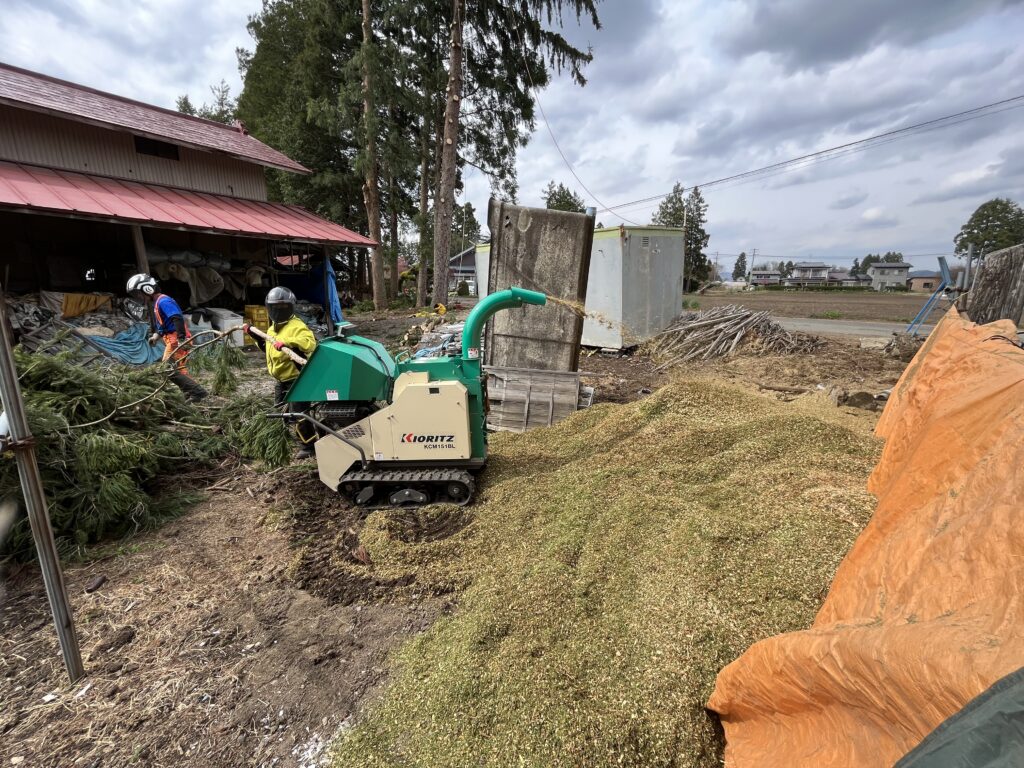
x,y
38,139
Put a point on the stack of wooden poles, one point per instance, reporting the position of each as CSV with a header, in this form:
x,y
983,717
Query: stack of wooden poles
x,y
719,331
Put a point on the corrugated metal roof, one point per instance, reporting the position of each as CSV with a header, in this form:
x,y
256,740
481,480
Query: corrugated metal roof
x,y
890,265
41,93
79,194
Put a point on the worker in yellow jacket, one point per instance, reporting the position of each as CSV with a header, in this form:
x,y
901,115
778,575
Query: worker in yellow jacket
x,y
287,330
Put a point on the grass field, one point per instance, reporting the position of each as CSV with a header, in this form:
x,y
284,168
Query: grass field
x,y
883,307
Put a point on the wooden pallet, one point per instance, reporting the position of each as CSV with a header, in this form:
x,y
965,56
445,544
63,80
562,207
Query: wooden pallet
x,y
524,398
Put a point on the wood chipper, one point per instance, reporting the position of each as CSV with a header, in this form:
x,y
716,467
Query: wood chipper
x,y
401,432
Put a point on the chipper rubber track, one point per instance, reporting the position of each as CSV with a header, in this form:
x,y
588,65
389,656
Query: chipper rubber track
x,y
387,489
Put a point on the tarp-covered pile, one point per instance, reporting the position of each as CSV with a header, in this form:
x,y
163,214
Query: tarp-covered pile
x,y
926,611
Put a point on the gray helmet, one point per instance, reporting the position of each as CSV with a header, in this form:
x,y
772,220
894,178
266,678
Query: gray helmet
x,y
280,304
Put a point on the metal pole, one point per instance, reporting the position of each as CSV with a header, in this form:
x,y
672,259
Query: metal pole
x,y
139,243
683,193
967,271
329,313
23,445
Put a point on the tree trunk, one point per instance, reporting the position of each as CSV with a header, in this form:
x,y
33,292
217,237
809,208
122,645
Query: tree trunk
x,y
371,190
393,221
421,277
446,191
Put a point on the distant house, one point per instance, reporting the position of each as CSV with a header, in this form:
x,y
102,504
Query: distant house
x,y
808,273
765,277
886,276
462,266
924,281
841,278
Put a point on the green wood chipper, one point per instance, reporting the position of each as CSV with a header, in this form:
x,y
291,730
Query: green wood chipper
x,y
401,432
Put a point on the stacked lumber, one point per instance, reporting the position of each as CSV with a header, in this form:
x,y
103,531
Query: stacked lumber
x,y
719,331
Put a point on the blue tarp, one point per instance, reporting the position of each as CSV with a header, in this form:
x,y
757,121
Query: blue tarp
x,y
132,346
310,287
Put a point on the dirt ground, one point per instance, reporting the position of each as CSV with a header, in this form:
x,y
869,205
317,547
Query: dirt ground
x,y
241,634
840,366
883,307
224,639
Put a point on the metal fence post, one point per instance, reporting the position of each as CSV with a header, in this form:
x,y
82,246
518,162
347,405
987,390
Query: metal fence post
x,y
24,448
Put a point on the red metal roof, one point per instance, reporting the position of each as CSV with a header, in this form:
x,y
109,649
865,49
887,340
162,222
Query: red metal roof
x,y
41,93
79,194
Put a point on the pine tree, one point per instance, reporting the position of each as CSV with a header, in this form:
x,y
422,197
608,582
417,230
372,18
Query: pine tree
x,y
508,45
789,269
690,213
855,269
560,198
739,271
996,224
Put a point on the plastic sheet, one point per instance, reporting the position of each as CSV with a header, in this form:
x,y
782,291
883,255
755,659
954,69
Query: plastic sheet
x,y
925,611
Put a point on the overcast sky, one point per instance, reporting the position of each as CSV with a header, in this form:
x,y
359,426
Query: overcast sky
x,y
679,91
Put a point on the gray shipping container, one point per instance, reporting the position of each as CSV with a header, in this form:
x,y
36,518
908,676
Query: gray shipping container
x,y
635,284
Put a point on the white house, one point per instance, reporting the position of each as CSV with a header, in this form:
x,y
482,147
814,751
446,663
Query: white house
x,y
886,276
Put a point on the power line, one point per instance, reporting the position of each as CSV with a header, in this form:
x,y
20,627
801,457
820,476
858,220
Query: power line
x,y
547,124
847,148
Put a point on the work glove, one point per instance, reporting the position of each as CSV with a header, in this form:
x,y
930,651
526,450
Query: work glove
x,y
279,345
245,328
154,339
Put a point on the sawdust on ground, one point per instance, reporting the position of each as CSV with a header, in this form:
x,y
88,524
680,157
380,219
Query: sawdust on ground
x,y
614,563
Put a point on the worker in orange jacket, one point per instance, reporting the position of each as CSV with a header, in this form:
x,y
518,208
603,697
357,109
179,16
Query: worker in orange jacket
x,y
167,322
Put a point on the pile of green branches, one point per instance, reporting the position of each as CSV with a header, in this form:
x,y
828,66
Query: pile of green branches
x,y
104,440
219,357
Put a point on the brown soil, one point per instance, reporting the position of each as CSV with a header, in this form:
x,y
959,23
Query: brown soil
x,y
389,327
882,307
840,364
232,637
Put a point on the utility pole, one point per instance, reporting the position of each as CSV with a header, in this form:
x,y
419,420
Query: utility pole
x,y
24,448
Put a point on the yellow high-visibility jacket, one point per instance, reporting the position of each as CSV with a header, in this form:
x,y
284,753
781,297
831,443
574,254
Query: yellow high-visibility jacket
x,y
294,334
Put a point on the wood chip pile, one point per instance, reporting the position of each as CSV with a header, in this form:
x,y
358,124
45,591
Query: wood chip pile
x,y
720,331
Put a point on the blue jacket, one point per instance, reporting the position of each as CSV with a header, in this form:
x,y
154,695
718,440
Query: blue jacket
x,y
166,309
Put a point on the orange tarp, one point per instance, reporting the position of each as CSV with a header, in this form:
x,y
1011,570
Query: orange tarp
x,y
927,609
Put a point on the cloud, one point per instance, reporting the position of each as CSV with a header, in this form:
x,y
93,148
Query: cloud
x,y
992,179
810,33
151,50
848,200
876,218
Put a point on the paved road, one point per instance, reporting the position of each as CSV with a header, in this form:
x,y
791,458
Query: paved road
x,y
845,327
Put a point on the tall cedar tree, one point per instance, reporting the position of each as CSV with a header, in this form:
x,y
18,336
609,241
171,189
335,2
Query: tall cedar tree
x,y
997,224
690,213
289,100
506,39
303,94
739,271
371,189
560,198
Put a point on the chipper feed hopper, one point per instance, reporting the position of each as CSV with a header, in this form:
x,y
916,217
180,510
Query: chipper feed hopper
x,y
401,432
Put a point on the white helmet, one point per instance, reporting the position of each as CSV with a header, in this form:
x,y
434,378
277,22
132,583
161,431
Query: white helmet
x,y
142,283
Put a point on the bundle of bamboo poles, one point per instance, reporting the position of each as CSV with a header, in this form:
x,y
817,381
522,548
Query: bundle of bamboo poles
x,y
719,331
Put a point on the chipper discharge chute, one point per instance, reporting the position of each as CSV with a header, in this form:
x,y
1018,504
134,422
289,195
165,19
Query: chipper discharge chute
x,y
406,432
